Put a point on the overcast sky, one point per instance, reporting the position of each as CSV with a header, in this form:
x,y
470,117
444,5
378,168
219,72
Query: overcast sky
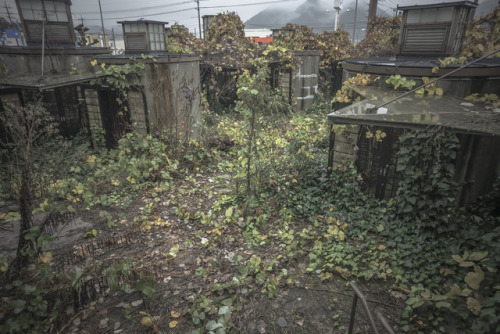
x,y
185,11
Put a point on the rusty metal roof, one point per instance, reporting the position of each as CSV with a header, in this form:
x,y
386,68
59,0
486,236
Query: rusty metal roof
x,y
423,112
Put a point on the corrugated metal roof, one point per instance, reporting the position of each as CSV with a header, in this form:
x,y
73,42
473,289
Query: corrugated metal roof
x,y
33,81
414,111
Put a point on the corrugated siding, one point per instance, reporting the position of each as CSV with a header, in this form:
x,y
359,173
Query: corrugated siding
x,y
55,32
425,39
136,42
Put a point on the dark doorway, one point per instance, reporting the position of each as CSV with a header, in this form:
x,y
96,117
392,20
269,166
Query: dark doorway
x,y
115,116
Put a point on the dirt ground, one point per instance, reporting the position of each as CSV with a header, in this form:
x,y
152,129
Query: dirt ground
x,y
303,304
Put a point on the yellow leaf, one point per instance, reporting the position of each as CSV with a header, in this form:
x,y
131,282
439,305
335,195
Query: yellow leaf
x,y
4,266
325,276
175,314
439,91
455,291
172,324
341,235
381,247
446,271
45,257
474,279
474,305
435,70
147,321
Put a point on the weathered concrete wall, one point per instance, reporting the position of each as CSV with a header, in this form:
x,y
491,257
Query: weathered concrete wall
x,y
345,147
306,79
173,97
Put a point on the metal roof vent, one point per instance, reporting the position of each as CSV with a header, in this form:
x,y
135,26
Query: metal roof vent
x,y
434,29
50,16
143,36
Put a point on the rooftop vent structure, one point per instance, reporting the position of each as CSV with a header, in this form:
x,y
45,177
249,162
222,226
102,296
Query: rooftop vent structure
x,y
434,29
144,36
50,16
207,21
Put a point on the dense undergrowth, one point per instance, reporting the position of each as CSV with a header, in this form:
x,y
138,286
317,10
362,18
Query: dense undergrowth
x,y
441,258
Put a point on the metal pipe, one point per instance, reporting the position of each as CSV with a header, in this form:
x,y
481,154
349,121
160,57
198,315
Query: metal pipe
x,y
353,313
384,323
433,81
358,294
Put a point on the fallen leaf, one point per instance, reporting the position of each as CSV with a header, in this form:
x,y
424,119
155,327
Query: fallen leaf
x,y
175,314
381,247
172,324
147,321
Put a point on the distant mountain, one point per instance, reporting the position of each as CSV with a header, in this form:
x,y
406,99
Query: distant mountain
x,y
313,13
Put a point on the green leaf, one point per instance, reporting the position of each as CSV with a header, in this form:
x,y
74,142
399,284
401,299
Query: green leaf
x,y
12,216
17,305
148,291
229,212
477,256
254,92
443,304
211,325
227,302
457,258
223,310
466,264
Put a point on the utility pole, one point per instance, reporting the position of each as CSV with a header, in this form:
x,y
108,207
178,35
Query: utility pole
x,y
8,13
102,25
354,27
199,20
372,10
114,40
337,5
